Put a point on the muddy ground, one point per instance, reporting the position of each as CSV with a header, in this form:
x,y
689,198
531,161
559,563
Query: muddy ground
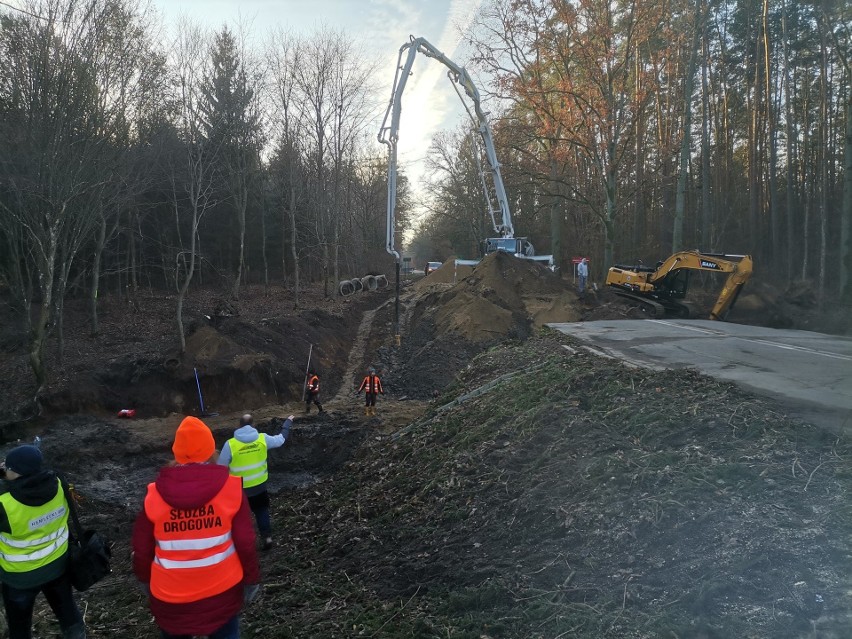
x,y
509,487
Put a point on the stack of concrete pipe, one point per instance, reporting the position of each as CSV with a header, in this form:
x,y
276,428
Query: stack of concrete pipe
x,y
366,283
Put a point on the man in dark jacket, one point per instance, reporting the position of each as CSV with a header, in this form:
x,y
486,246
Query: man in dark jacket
x,y
194,543
34,546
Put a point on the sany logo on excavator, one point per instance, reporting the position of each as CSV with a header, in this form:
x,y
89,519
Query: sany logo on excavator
x,y
708,264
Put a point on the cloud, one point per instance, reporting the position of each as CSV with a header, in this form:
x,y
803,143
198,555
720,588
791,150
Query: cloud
x,y
430,104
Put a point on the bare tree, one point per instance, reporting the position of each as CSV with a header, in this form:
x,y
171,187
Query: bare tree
x,y
59,128
283,59
193,174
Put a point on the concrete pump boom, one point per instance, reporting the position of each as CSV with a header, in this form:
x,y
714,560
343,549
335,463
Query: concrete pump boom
x,y
389,135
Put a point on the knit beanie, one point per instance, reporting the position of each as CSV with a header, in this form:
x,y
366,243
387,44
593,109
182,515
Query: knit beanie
x,y
24,460
193,442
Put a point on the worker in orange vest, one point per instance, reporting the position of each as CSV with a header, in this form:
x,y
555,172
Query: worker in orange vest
x,y
194,543
372,386
312,391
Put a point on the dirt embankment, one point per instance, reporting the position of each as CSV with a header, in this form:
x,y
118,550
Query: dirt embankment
x,y
247,353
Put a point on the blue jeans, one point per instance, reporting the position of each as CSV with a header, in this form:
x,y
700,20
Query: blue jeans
x,y
19,604
231,630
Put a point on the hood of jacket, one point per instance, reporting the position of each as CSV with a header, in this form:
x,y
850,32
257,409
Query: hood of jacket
x,y
246,434
191,485
34,490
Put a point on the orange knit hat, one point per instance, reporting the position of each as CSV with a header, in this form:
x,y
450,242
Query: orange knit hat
x,y
193,442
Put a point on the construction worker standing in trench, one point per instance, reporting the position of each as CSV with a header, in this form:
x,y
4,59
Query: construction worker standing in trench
x,y
245,454
312,391
372,386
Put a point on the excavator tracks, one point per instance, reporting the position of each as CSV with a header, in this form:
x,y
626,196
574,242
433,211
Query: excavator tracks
x,y
652,308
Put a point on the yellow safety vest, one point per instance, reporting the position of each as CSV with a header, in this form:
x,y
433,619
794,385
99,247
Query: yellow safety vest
x,y
248,460
39,533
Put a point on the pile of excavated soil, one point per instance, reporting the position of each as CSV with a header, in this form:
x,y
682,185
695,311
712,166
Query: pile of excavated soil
x,y
444,325
449,273
503,296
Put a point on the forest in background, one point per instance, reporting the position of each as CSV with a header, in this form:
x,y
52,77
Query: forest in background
x,y
139,159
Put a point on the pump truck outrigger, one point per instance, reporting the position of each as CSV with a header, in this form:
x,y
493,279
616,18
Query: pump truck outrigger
x,y
389,135
662,289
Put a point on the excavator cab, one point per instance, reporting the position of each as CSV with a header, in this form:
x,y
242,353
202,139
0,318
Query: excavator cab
x,y
674,285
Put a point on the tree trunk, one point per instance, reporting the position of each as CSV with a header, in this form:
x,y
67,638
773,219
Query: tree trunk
x,y
774,231
686,134
611,190
263,253
39,330
790,199
242,205
293,252
706,233
94,327
846,214
555,215
824,155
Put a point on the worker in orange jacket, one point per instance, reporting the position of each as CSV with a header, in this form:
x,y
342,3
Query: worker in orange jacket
x,y
372,386
312,390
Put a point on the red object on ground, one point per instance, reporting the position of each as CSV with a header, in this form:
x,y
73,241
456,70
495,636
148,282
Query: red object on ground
x,y
127,412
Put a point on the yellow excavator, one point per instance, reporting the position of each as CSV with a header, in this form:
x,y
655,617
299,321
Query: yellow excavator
x,y
661,290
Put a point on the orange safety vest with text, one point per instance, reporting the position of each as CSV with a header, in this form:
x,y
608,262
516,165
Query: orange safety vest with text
x,y
194,556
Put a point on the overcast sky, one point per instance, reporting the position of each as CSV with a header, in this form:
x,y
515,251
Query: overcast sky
x,y
380,27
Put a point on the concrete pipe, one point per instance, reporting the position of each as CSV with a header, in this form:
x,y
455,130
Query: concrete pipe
x,y
356,284
369,282
345,288
382,281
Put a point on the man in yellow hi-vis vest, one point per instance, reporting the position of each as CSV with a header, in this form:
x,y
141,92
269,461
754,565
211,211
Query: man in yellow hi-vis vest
x,y
245,454
34,546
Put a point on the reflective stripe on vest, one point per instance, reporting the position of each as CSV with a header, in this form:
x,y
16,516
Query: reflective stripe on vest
x,y
39,534
194,555
371,384
248,461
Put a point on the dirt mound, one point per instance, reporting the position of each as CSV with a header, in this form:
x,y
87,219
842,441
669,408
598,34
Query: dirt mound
x,y
446,325
796,307
449,273
503,296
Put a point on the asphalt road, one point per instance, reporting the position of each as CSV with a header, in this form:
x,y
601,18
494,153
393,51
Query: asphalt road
x,y
809,374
